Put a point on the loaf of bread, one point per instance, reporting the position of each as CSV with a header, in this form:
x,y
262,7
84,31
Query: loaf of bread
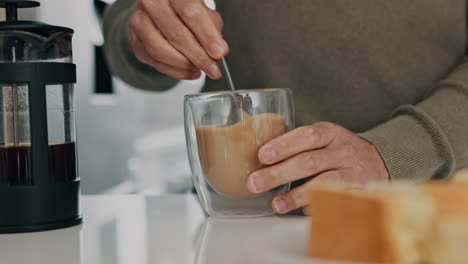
x,y
390,223
460,176
449,240
382,224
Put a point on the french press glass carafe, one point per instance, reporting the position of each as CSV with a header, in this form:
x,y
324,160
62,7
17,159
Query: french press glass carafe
x,y
39,184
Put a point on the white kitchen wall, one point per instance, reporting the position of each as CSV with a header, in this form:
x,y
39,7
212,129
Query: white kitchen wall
x,y
109,126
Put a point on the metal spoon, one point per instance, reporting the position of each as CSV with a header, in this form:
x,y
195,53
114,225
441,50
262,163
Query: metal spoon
x,y
226,73
242,106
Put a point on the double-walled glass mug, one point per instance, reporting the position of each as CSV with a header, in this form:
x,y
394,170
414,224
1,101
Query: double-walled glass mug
x,y
224,131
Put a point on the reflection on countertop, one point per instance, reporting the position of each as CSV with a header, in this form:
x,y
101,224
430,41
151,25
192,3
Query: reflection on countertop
x,y
58,246
257,240
173,229
139,229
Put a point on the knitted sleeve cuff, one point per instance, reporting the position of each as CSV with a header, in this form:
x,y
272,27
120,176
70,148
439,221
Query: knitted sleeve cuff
x,y
412,146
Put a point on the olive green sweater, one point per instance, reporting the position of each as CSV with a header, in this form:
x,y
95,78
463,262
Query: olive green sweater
x,y
396,72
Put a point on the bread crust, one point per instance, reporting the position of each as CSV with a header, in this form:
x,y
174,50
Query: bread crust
x,y
377,225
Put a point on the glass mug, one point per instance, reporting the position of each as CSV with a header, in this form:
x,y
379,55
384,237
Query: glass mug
x,y
224,131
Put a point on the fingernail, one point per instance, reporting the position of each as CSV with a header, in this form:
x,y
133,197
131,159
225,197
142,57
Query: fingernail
x,y
216,50
281,206
269,154
257,183
213,71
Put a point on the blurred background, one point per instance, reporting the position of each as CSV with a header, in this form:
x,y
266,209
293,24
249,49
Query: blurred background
x,y
129,140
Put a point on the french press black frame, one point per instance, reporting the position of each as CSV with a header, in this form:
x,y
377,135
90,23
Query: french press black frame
x,y
43,204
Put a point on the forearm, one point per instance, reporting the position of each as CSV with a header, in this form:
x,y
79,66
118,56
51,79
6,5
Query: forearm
x,y
119,52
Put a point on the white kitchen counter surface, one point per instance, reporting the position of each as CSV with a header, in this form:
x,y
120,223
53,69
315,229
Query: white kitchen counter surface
x,y
128,229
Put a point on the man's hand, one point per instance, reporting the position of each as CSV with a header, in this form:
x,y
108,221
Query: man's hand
x,y
324,151
178,37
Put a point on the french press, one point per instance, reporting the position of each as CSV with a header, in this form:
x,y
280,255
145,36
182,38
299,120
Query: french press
x,y
39,183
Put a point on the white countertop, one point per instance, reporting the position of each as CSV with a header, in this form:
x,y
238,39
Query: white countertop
x,y
131,229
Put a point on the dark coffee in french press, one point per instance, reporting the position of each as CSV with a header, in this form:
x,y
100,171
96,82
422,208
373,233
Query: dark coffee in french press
x,y
15,163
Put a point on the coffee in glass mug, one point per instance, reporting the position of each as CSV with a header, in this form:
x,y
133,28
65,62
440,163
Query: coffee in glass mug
x,y
224,131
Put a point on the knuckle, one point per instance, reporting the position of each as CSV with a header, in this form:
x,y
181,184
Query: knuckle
x,y
136,19
307,131
191,10
349,150
175,36
311,133
217,19
328,126
145,3
309,163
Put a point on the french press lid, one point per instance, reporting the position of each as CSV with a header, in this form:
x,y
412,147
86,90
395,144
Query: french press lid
x,y
12,22
32,40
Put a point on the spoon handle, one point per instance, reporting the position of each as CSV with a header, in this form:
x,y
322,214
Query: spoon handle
x,y
226,73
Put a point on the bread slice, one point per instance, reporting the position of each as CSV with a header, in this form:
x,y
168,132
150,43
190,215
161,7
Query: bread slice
x,y
381,224
449,241
460,176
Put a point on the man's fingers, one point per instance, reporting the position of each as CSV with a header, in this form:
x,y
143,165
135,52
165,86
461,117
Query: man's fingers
x,y
295,198
197,17
299,196
298,167
329,177
155,44
175,72
302,139
139,50
144,57
179,36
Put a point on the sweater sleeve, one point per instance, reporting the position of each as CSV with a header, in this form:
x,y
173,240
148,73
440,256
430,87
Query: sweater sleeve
x,y
119,52
428,140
